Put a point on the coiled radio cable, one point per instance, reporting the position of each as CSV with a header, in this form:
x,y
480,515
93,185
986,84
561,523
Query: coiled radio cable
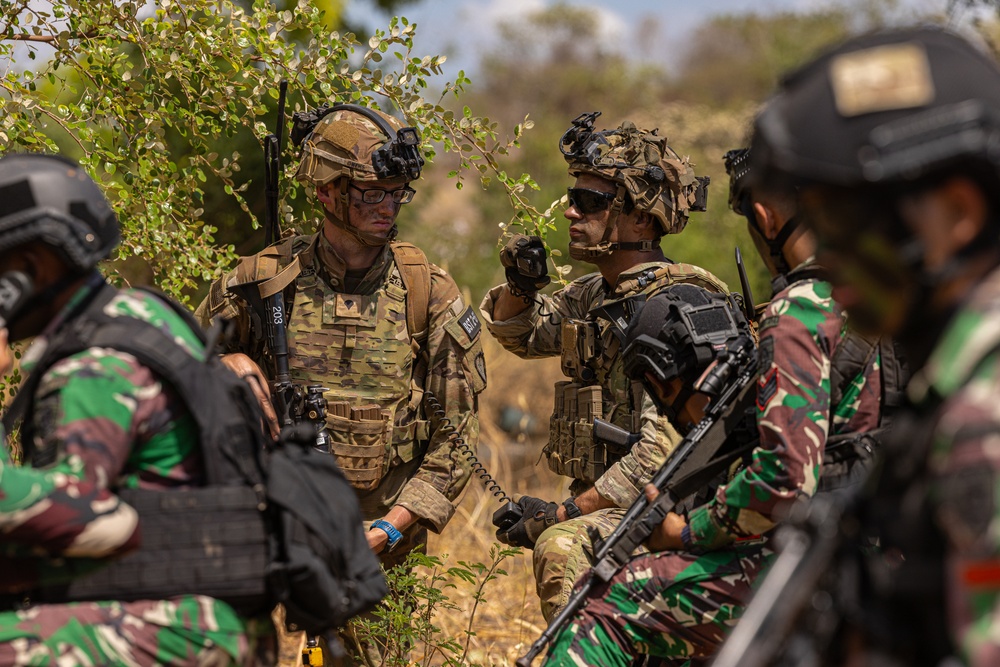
x,y
505,517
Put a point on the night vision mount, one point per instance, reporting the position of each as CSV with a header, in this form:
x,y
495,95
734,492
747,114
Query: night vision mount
x,y
398,157
581,143
738,168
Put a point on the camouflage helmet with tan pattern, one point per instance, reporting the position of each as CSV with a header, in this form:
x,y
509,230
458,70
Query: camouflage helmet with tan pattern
x,y
348,140
658,180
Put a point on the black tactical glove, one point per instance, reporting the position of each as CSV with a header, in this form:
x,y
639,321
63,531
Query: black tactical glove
x,y
537,516
524,258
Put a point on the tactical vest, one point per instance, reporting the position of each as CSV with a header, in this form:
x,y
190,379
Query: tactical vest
x,y
366,349
598,386
211,540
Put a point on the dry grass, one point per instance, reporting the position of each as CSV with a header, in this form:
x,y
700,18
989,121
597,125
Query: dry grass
x,y
510,618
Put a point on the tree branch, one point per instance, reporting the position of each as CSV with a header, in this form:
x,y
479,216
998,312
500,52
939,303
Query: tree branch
x,y
48,39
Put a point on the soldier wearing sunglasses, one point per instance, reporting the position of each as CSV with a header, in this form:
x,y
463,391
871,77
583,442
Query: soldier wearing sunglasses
x,y
631,189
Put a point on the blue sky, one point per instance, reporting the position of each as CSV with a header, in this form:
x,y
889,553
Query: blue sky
x,y
464,29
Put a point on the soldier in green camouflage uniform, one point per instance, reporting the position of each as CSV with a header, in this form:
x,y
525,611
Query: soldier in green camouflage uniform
x,y
99,420
891,138
680,603
631,188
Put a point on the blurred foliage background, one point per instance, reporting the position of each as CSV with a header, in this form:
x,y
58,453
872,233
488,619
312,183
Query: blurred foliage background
x,y
548,66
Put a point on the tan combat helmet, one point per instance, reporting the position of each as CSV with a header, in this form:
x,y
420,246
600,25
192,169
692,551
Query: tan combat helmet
x,y
348,142
640,162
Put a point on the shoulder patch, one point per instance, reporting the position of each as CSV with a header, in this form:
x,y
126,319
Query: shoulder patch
x,y
464,328
470,323
480,364
767,323
765,354
767,388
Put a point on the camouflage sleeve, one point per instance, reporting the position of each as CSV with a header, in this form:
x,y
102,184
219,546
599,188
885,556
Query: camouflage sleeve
x,y
535,332
90,410
112,412
966,492
58,511
220,303
624,481
456,374
797,336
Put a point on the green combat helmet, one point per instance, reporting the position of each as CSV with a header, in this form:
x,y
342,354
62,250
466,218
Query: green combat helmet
x,y
348,142
640,163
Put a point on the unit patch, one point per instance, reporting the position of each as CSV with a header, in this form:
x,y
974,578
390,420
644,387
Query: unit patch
x,y
480,364
767,388
470,323
765,354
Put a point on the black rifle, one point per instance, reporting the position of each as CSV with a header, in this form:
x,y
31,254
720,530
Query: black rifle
x,y
293,404
681,475
814,544
749,308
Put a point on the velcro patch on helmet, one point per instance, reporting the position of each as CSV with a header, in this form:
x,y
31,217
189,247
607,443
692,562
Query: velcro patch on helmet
x,y
881,79
17,197
340,134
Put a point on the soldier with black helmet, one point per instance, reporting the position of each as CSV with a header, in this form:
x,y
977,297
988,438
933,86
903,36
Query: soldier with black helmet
x,y
694,592
676,603
99,424
631,189
892,141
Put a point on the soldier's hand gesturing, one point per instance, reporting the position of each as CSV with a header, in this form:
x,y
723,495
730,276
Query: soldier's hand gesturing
x,y
245,367
524,261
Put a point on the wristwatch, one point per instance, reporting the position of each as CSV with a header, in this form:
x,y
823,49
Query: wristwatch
x,y
394,535
572,510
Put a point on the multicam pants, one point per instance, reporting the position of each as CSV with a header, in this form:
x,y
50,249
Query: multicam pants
x,y
191,630
673,605
564,552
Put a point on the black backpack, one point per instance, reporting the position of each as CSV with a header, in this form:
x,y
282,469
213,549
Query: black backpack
x,y
275,522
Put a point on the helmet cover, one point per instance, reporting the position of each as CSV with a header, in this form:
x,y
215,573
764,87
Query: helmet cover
x,y
658,180
347,140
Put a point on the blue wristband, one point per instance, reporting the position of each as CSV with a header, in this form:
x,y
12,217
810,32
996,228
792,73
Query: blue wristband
x,y
394,535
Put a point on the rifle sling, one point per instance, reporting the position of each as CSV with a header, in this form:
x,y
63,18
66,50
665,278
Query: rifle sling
x,y
271,286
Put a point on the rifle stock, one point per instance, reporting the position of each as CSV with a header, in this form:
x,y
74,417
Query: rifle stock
x,y
724,414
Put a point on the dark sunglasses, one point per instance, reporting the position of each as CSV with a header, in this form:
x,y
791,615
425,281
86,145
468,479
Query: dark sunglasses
x,y
589,201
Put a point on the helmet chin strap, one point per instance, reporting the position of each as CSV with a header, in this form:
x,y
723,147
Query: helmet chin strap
x,y
606,247
364,238
776,250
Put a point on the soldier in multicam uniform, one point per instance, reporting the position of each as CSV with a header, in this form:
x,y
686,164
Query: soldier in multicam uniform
x,y
373,321
631,188
679,604
892,139
96,422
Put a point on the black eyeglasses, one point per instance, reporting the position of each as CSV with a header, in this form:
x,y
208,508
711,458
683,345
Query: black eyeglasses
x,y
589,201
403,195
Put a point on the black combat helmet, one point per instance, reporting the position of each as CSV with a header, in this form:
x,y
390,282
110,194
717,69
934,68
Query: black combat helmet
x,y
679,332
50,199
885,108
